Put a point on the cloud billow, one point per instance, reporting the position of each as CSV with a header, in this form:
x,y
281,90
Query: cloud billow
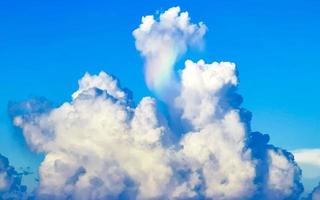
x,y
100,146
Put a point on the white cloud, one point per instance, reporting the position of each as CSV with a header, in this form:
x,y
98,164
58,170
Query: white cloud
x,y
101,146
98,146
103,81
201,90
226,167
215,144
111,141
161,41
114,143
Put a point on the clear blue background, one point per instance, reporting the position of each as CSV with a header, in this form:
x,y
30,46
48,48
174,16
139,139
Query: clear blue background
x,y
46,46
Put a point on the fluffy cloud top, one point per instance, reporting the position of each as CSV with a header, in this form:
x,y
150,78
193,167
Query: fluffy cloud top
x,y
100,146
161,41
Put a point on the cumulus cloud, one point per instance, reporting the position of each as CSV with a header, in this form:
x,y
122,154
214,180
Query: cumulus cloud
x,y
98,146
10,181
161,40
202,88
101,146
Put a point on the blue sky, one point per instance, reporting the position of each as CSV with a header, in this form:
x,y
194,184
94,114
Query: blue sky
x,y
46,46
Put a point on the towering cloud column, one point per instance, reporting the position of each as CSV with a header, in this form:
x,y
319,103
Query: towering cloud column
x,y
161,41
